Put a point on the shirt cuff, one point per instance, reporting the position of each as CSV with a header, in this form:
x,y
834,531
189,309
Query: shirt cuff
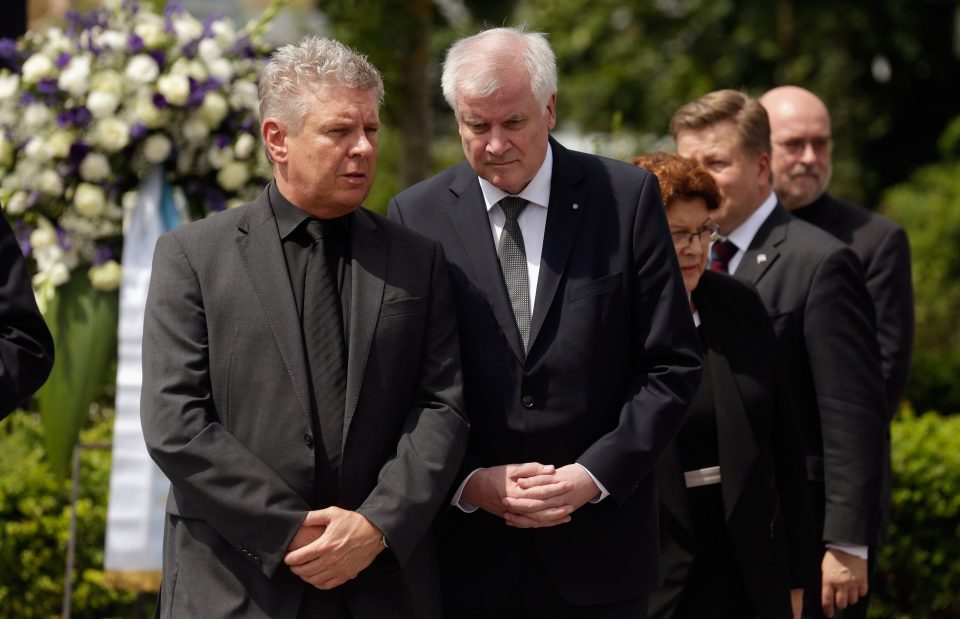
x,y
603,491
467,508
851,549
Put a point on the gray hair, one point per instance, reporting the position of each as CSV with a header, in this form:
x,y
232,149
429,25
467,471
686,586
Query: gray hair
x,y
479,65
295,71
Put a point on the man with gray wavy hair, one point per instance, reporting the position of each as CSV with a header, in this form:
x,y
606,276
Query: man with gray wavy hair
x,y
579,353
302,382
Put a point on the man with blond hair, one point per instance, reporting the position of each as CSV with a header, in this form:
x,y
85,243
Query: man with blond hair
x,y
301,376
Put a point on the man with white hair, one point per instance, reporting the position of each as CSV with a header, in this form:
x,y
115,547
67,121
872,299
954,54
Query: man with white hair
x,y
302,376
579,353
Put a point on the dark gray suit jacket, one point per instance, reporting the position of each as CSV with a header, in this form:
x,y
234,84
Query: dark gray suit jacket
x,y
227,416
812,286
612,363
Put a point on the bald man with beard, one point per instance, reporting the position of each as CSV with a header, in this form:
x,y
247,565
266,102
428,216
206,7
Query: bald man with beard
x,y
801,163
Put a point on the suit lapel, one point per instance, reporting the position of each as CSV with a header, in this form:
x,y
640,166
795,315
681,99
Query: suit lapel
x,y
368,272
763,250
262,255
562,222
736,441
472,224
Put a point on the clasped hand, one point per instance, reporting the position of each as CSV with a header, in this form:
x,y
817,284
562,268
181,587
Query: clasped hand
x,y
332,546
531,495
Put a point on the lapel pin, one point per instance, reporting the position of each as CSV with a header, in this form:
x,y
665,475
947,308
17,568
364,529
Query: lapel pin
x,y
575,206
761,258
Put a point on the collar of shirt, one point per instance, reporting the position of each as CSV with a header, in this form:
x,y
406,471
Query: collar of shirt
x,y
743,235
290,217
536,192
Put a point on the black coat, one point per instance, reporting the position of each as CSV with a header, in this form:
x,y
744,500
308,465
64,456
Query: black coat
x,y
612,364
761,457
26,348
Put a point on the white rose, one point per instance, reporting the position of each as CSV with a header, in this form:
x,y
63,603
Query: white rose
x,y
36,68
17,204
106,277
213,109
187,27
36,115
223,31
156,148
102,103
174,88
75,78
233,176
195,130
112,39
94,168
189,68
151,32
89,200
112,134
219,157
110,81
150,115
43,237
9,85
244,146
221,69
208,50
244,96
142,69
49,182
60,142
56,274
37,149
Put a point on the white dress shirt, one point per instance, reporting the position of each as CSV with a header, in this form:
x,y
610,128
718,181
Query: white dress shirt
x,y
533,223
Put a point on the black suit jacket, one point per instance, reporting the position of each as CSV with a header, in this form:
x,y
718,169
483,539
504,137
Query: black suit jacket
x,y
812,286
612,363
26,348
764,485
884,252
227,414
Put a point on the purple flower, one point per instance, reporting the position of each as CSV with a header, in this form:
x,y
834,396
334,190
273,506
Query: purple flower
x,y
27,98
138,130
221,140
63,240
47,86
159,56
159,101
135,42
82,116
79,150
63,60
8,49
22,231
215,200
101,254
65,118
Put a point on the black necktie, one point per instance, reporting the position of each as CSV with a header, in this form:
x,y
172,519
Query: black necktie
x,y
513,263
721,254
323,335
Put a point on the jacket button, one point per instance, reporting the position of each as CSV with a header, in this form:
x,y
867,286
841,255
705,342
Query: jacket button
x,y
257,561
527,401
308,440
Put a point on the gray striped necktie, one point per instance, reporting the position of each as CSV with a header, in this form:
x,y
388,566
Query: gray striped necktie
x,y
513,263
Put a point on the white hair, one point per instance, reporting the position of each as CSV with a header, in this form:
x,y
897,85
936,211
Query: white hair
x,y
479,65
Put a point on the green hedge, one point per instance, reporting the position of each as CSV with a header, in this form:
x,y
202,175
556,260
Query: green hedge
x,y
34,526
920,564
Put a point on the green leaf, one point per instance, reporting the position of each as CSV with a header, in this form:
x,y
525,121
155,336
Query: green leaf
x,y
83,322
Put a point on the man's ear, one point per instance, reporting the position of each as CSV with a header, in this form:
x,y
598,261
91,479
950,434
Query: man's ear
x,y
274,134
